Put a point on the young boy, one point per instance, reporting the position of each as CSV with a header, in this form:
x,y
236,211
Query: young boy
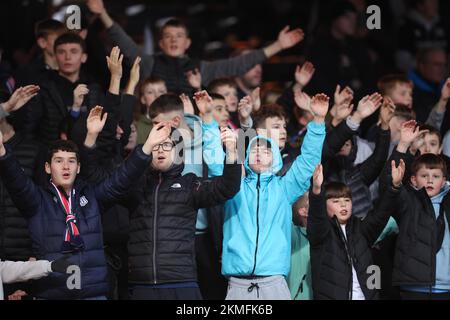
x,y
340,243
46,32
398,88
64,216
151,89
162,226
67,93
421,267
299,278
172,64
220,112
227,89
257,228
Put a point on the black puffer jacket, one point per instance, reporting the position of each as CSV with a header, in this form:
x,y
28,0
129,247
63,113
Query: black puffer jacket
x,y
15,242
360,177
415,251
162,223
47,111
333,254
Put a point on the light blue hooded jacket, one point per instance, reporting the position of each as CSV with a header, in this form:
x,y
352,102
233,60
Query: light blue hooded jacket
x,y
257,227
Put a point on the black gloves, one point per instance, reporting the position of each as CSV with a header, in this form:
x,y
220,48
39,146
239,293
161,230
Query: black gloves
x,y
60,265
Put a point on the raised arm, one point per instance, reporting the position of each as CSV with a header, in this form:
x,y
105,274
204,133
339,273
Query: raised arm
x,y
119,183
374,223
119,36
23,191
318,222
436,116
213,154
297,180
216,191
239,65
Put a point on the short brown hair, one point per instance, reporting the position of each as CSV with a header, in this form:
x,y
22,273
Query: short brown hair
x,y
335,190
150,80
176,23
404,112
215,84
62,145
387,83
70,37
166,103
268,111
45,27
429,161
432,130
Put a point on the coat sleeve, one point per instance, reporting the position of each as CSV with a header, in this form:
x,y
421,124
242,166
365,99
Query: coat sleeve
x,y
33,116
91,170
297,180
386,175
23,271
208,193
336,139
230,67
130,50
119,183
318,225
23,191
373,166
213,154
374,222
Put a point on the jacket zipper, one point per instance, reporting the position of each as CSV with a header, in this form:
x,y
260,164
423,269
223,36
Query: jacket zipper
x,y
349,259
155,217
258,185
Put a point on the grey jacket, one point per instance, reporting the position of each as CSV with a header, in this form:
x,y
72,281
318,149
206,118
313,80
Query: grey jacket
x,y
210,70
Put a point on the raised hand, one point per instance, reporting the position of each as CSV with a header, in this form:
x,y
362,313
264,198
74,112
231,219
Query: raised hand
x,y
445,92
386,113
134,76
409,132
135,70
319,107
304,74
317,179
228,138
397,173
78,96
203,101
340,112
194,77
95,6
256,99
187,104
344,96
20,97
157,135
287,39
96,121
114,62
245,108
367,106
302,100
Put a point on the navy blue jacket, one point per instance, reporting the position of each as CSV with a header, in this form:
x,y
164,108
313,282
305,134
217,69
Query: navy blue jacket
x,y
46,222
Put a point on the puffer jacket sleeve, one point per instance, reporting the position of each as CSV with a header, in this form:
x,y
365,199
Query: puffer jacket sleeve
x,y
208,193
318,222
23,191
297,180
119,183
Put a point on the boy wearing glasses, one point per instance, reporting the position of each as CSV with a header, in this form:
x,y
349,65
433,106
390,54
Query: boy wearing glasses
x,y
163,211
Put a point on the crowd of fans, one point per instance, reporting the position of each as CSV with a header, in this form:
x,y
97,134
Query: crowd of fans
x,y
188,151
